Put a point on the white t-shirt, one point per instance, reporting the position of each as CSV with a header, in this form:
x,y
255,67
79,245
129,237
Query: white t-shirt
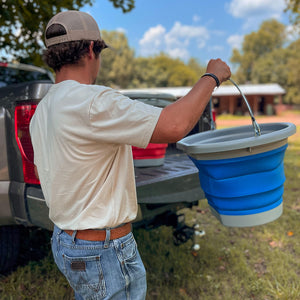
x,y
82,137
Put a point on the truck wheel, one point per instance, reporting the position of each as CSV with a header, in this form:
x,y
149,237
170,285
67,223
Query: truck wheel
x,y
9,247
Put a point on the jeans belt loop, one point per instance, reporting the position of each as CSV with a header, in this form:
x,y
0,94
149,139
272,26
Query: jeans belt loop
x,y
74,236
107,238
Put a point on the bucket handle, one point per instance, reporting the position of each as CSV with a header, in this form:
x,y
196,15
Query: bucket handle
x,y
254,123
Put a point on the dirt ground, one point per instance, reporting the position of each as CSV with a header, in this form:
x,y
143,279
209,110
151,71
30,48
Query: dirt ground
x,y
288,116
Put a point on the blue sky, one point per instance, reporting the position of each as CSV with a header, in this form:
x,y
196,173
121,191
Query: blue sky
x,y
187,28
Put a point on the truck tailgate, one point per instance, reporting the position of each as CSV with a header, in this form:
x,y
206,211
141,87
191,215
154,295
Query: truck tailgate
x,y
175,181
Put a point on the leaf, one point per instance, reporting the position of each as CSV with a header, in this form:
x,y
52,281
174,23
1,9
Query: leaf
x,y
276,244
182,292
195,253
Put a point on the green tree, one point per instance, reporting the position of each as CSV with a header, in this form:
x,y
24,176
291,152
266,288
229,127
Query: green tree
x,y
293,78
116,63
22,25
176,72
281,66
182,75
193,64
271,68
294,7
146,74
267,58
125,5
256,45
163,71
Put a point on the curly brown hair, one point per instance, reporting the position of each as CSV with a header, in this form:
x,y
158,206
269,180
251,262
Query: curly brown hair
x,y
68,53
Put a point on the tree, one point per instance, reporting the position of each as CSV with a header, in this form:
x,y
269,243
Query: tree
x,y
125,5
22,24
271,68
267,58
294,7
146,74
182,75
196,66
116,63
162,71
270,36
293,78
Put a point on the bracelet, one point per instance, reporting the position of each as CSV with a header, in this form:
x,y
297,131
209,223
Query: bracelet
x,y
214,77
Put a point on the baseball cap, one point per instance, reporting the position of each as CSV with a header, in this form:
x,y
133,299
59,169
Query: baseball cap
x,y
77,26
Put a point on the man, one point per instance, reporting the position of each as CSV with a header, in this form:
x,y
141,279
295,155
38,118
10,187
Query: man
x,y
82,136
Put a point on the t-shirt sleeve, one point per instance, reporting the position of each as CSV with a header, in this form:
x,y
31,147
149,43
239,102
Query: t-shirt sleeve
x,y
116,118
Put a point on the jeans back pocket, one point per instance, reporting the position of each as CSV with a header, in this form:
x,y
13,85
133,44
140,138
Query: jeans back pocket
x,y
85,275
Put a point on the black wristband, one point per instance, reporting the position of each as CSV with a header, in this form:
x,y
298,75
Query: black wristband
x,y
213,76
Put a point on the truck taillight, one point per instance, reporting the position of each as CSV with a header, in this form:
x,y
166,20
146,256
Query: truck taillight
x,y
23,115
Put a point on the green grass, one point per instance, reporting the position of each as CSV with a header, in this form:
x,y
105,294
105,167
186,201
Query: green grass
x,y
260,263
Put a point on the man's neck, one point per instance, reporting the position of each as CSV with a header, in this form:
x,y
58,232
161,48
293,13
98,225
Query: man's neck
x,y
78,74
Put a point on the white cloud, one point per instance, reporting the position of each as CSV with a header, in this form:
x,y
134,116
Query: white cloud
x,y
180,53
255,11
235,41
175,42
122,30
196,18
151,43
252,8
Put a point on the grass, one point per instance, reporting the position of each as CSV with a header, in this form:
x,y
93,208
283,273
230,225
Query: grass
x,y
260,263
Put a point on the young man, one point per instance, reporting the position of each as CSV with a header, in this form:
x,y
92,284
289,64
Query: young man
x,y
82,136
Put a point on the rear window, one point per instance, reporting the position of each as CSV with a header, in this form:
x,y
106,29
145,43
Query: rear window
x,y
10,76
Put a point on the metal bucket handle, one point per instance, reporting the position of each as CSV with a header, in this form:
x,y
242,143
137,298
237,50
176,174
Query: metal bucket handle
x,y
254,123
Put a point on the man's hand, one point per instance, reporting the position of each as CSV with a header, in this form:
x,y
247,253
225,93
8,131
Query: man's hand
x,y
219,68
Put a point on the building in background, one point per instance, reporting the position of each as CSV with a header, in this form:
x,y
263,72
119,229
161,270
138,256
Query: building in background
x,y
263,98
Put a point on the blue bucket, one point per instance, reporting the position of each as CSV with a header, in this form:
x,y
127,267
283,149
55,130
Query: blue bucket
x,y
244,191
241,173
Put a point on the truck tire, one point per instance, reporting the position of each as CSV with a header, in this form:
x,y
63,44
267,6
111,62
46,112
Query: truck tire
x,y
9,247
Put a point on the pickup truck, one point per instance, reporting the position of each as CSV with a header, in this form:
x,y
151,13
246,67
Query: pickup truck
x,y
161,190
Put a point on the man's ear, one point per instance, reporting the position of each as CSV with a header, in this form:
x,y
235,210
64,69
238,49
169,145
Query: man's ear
x,y
91,51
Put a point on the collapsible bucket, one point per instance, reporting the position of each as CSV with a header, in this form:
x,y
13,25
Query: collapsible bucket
x,y
241,171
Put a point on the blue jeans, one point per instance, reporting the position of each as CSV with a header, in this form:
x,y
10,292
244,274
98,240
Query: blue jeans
x,y
112,269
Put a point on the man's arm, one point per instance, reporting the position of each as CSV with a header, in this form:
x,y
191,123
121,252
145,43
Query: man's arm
x,y
179,118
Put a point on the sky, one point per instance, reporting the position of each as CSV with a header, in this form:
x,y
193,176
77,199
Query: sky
x,y
187,28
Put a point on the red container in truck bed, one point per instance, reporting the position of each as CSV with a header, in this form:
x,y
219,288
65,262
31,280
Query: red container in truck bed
x,y
152,155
